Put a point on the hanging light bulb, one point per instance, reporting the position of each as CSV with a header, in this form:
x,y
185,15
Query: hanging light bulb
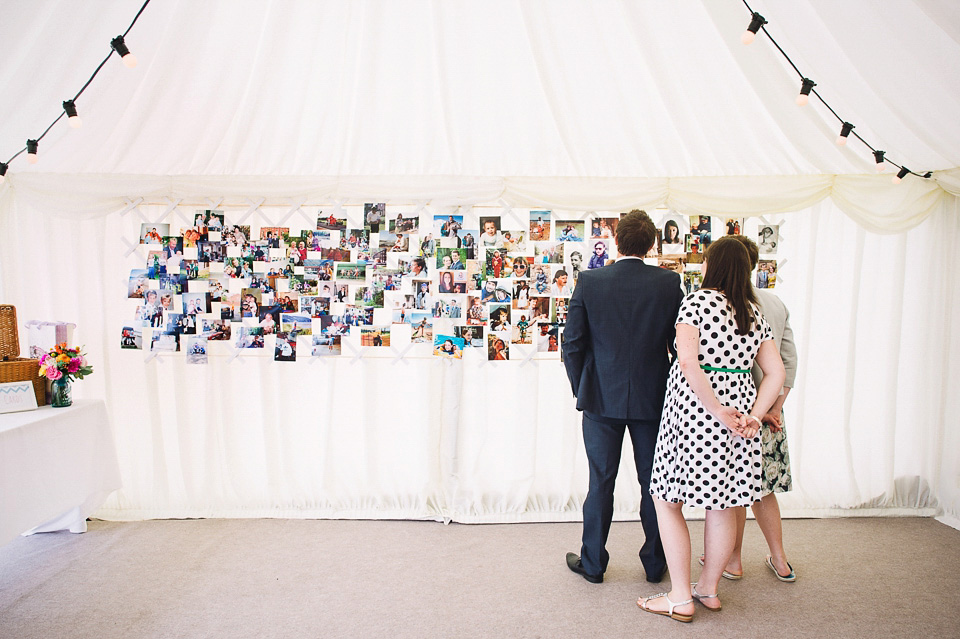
x,y
72,118
129,60
756,22
3,172
902,173
805,89
878,156
844,132
32,151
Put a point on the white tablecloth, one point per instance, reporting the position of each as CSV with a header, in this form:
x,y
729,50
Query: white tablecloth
x,y
57,466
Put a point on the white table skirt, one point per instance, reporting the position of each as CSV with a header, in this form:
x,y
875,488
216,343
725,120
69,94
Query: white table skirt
x,y
57,466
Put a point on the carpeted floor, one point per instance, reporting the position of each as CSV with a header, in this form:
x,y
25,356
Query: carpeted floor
x,y
396,579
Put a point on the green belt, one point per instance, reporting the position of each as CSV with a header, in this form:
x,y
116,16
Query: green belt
x,y
725,370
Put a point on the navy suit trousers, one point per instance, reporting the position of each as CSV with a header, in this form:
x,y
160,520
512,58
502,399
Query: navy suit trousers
x,y
603,439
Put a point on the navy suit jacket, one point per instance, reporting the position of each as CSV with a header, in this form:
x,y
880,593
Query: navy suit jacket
x,y
621,323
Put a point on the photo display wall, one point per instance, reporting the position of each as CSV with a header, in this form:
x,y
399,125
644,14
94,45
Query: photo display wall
x,y
482,284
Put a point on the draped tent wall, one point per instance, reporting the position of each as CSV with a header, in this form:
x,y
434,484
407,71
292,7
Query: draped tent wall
x,y
511,103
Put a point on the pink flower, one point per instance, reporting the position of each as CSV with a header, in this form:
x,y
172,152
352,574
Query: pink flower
x,y
53,373
44,358
74,365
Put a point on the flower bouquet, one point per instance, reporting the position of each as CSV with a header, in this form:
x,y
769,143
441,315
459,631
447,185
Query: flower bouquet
x,y
62,365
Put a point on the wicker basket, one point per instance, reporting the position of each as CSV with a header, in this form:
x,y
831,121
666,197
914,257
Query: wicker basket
x,y
12,367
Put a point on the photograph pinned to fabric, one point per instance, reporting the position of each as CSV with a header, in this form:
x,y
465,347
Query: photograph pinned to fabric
x,y
522,327
570,230
153,233
352,272
768,238
600,253
472,335
138,283
603,227
330,222
540,226
375,335
331,325
701,226
548,253
733,225
490,234
515,241
766,274
499,317
476,310
498,348
215,330
296,324
692,279
131,337
373,215
167,341
196,350
249,337
540,277
448,346
285,348
558,310
421,327
548,340
325,345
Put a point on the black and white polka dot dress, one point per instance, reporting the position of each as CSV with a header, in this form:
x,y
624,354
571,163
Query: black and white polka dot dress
x,y
698,461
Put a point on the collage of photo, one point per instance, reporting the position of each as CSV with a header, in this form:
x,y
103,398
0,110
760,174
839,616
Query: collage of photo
x,y
491,285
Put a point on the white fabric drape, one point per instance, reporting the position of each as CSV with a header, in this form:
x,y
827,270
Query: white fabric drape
x,y
871,420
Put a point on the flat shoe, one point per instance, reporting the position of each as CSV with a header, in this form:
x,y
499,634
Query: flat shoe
x,y
700,598
642,604
732,576
789,578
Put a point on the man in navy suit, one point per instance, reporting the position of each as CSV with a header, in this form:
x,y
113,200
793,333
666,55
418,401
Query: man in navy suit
x,y
620,327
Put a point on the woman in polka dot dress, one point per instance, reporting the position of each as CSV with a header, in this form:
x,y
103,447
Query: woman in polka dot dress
x,y
708,452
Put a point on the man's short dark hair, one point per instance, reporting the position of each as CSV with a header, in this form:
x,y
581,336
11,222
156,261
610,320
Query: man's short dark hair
x,y
752,249
636,233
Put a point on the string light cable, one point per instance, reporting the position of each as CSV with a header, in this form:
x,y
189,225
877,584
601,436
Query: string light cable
x,y
758,23
117,45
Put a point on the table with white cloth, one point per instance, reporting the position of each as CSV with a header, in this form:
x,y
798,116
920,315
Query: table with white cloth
x,y
57,467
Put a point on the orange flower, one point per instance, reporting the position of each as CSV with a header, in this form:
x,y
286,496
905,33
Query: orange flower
x,y
64,358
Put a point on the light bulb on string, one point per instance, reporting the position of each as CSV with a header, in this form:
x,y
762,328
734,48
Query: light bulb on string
x,y
902,173
805,88
32,151
129,60
878,156
756,21
72,118
3,171
844,132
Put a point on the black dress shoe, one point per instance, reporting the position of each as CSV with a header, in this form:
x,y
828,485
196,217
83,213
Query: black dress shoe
x,y
573,563
655,579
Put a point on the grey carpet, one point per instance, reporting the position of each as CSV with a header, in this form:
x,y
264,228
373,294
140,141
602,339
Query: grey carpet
x,y
397,579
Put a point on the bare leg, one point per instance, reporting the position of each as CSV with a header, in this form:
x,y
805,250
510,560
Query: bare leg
x,y
767,512
719,536
676,545
735,564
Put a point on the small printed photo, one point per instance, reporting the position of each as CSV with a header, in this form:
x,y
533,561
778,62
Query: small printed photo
x,y
604,227
701,226
196,350
182,323
497,263
476,311
249,337
270,236
402,224
677,264
167,341
448,346
351,272
397,243
295,325
521,294
499,317
333,325
672,240
236,234
131,337
560,284
766,273
330,222
691,281
454,259
548,253
153,233
734,226
599,254
768,239
421,328
472,335
326,345
215,330
285,349
452,282
194,303
319,239
558,310
250,299
570,230
356,239
375,335
519,266
341,254
289,302
490,235
540,276
515,241
373,215
213,220
522,328
541,309
138,283
574,264
497,347
540,226
548,337
447,225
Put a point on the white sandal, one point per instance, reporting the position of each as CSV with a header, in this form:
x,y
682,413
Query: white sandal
x,y
642,604
700,598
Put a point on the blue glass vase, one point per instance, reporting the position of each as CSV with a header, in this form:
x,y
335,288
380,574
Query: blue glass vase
x,y
61,395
